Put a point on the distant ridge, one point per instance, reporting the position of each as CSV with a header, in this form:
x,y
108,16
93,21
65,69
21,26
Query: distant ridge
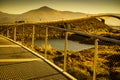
x,y
45,8
44,13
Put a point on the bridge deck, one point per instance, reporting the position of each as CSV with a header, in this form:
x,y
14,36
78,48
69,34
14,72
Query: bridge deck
x,y
17,63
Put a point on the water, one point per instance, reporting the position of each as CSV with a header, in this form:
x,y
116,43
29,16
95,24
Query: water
x,y
58,44
116,27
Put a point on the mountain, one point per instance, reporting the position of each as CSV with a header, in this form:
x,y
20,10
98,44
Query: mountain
x,y
41,14
7,18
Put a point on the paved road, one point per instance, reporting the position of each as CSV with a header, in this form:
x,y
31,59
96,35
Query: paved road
x,y
17,63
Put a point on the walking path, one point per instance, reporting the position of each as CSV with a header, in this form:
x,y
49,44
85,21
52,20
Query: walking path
x,y
20,63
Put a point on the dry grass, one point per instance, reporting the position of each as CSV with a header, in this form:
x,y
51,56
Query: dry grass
x,y
80,64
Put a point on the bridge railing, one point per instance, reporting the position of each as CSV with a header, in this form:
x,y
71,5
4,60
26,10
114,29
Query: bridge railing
x,y
18,33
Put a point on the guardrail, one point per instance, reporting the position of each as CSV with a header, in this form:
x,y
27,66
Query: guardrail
x,y
97,38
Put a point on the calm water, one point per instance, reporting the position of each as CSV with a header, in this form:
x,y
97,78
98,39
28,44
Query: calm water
x,y
116,27
59,44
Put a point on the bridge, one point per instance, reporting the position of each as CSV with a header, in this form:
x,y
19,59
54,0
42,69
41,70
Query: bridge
x,y
100,16
108,15
20,62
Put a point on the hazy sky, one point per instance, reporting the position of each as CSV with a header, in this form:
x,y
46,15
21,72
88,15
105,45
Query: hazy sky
x,y
86,6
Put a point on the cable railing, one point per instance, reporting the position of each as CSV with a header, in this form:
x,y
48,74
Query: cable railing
x,y
65,32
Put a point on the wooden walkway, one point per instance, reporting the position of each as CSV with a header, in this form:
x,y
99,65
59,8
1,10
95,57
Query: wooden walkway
x,y
19,63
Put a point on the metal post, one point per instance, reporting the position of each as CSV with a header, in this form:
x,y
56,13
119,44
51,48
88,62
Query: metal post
x,y
33,37
7,32
95,59
2,33
15,33
65,50
46,39
23,34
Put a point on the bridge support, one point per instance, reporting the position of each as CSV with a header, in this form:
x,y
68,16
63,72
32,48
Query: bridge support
x,y
46,41
95,59
23,32
33,37
7,32
65,50
15,33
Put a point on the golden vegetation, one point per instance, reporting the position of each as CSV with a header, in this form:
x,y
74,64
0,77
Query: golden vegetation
x,y
89,25
79,64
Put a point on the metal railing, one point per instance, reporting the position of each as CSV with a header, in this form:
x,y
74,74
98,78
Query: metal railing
x,y
97,38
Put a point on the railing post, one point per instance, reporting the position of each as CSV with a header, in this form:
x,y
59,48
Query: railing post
x,y
33,37
7,32
15,33
95,59
46,40
65,50
23,34
2,33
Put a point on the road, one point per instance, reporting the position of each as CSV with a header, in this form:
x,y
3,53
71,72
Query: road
x,y
17,63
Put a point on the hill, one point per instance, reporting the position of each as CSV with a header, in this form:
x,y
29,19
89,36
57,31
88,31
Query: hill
x,y
87,25
7,18
41,14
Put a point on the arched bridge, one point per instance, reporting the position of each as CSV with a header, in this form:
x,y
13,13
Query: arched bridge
x,y
108,15
103,16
